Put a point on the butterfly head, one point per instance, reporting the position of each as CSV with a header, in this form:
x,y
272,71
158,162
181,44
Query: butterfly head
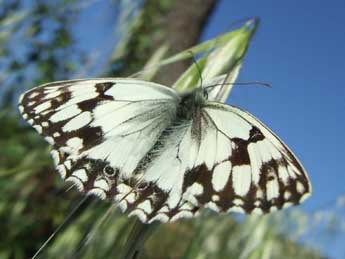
x,y
191,102
195,98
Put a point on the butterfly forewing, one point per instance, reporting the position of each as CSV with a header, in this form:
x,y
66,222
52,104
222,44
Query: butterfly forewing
x,y
123,140
97,124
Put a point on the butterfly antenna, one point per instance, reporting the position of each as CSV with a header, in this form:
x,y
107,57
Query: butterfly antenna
x,y
69,216
254,83
197,66
243,83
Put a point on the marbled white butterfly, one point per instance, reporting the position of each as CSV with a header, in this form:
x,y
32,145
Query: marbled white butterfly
x,y
162,155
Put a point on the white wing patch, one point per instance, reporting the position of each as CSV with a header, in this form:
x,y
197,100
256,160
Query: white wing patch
x,y
241,179
220,175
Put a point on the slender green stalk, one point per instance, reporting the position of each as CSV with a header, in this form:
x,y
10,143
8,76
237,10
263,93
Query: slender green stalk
x,y
137,237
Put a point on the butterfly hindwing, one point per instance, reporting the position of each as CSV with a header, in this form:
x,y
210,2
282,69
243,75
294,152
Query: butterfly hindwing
x,y
226,160
260,174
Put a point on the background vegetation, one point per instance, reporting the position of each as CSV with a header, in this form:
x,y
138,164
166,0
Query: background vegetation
x,y
38,45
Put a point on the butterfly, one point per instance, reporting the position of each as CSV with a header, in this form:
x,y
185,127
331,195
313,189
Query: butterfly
x,y
162,155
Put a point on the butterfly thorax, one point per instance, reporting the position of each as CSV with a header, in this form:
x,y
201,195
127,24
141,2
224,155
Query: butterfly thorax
x,y
190,103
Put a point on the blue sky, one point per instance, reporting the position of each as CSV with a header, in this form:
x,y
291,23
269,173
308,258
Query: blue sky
x,y
300,49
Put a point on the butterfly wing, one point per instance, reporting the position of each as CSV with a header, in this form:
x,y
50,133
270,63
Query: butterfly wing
x,y
100,129
116,138
224,159
254,171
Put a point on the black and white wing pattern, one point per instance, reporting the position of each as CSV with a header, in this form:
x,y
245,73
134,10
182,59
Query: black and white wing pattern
x,y
100,129
223,159
253,170
123,140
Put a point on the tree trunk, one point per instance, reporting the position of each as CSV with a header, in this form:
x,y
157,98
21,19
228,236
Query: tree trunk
x,y
178,23
184,25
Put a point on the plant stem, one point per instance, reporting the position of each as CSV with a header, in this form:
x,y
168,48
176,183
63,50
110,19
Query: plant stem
x,y
140,232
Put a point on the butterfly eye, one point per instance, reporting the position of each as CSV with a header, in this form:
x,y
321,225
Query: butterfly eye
x,y
109,171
